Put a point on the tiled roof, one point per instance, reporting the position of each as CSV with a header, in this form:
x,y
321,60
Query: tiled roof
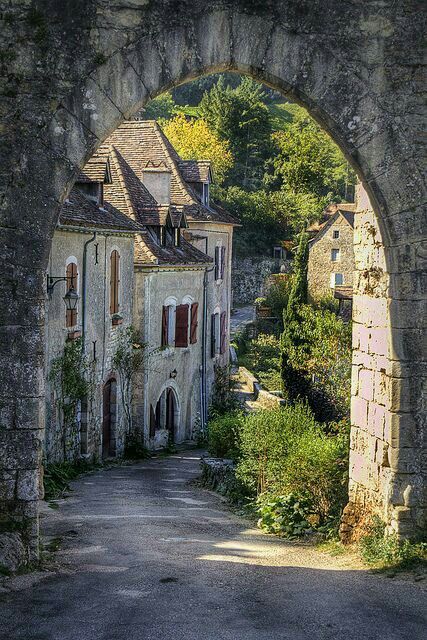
x,y
140,144
96,170
348,215
147,252
78,210
195,170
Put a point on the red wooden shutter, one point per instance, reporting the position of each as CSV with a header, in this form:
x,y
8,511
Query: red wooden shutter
x,y
222,262
217,263
194,322
71,274
114,282
152,422
165,326
213,335
223,332
181,326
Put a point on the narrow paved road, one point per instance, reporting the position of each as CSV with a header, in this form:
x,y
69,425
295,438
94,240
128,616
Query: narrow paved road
x,y
240,318
145,554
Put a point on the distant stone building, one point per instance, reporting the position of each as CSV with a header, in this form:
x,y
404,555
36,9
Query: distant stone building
x,y
331,254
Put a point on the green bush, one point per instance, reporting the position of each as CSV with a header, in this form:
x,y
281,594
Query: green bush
x,y
223,399
284,515
57,476
284,451
278,296
224,435
385,551
262,358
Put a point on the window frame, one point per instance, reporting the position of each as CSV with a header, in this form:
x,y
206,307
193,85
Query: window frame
x,y
115,282
72,281
337,253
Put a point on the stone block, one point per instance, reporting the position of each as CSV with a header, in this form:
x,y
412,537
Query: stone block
x,y
403,431
13,553
404,460
359,412
366,384
28,486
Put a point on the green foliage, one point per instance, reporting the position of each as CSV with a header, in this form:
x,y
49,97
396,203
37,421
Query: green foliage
x,y
284,451
127,361
278,296
161,108
241,117
286,516
195,140
385,551
134,449
56,477
223,435
307,160
262,358
223,399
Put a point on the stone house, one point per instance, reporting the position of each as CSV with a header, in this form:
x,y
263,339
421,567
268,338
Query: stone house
x,y
331,254
182,271
91,265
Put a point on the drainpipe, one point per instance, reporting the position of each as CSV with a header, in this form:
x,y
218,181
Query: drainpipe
x,y
204,407
92,239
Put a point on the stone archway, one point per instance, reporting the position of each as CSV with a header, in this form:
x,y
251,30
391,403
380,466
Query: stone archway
x,y
82,69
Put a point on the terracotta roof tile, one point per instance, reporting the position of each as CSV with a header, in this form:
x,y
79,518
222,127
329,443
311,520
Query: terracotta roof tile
x,y
195,170
147,251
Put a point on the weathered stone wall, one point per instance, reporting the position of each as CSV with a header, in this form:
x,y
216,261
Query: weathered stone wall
x,y
100,339
71,72
320,265
387,448
249,277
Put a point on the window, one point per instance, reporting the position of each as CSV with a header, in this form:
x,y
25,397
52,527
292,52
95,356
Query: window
x,y
219,262
335,234
177,236
181,326
114,282
168,325
335,255
337,280
223,332
214,332
193,322
205,194
72,277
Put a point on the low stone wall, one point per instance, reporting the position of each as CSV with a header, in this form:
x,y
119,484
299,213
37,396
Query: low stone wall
x,y
218,474
249,277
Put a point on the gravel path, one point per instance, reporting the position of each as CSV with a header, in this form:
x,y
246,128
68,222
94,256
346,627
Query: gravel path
x,y
146,554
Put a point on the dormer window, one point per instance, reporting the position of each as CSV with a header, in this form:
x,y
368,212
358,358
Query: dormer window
x,y
157,180
205,194
177,239
94,191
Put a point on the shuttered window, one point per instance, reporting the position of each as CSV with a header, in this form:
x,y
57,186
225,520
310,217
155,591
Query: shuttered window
x,y
217,261
71,274
194,322
223,334
181,326
165,326
114,282
214,320
222,263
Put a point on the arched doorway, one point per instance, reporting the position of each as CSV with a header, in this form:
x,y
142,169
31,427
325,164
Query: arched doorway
x,y
109,418
167,414
328,57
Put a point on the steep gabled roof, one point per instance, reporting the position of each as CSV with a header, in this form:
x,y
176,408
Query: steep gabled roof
x,y
79,211
141,145
348,216
148,252
195,170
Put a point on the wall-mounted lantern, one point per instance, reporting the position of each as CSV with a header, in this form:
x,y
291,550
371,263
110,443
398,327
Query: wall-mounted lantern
x,y
71,298
173,374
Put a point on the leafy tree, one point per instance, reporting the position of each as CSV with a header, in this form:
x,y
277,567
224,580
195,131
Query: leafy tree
x,y
241,117
195,140
162,107
295,383
308,161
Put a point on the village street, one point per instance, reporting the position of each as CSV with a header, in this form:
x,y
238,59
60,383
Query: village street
x,y
146,554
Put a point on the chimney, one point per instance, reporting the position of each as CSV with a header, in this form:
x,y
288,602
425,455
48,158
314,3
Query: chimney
x,y
158,182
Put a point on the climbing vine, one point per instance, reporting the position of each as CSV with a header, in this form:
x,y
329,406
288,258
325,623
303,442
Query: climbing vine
x,y
69,375
127,361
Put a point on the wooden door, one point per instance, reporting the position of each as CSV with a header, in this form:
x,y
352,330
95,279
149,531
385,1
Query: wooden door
x,y
170,413
107,419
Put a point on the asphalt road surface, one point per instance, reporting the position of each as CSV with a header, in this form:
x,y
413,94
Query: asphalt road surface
x,y
147,555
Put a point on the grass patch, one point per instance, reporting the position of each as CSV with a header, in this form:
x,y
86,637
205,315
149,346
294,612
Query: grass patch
x,y
58,476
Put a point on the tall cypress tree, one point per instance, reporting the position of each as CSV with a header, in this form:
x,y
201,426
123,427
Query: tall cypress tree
x,y
295,382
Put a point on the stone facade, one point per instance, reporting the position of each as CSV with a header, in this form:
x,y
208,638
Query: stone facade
x,y
84,437
331,258
249,277
77,74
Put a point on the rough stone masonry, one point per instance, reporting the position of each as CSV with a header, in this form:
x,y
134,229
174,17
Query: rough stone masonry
x,y
71,72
